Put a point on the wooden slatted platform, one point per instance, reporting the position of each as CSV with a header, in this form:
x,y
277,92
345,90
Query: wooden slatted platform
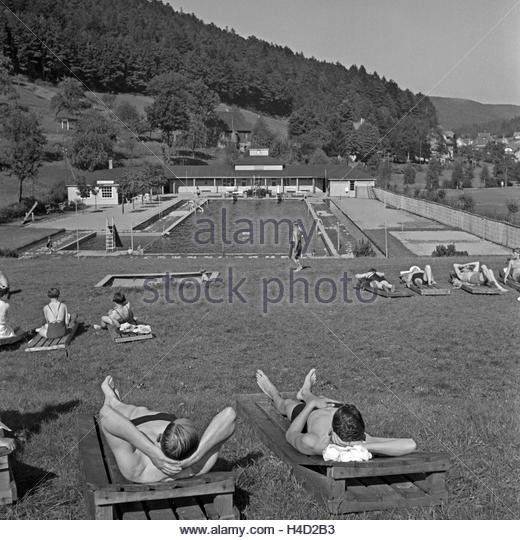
x,y
417,479
126,337
137,279
8,493
397,293
429,290
39,343
480,289
108,495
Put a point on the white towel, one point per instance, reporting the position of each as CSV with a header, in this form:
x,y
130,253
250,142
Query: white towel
x,y
356,452
136,328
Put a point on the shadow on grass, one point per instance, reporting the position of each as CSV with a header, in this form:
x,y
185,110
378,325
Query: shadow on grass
x,y
28,478
30,423
242,496
82,329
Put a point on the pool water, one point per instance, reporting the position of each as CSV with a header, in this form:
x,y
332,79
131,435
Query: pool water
x,y
254,226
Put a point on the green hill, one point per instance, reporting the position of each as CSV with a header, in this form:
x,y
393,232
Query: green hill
x,y
454,113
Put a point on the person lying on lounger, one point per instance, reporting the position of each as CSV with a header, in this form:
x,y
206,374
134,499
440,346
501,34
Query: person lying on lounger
x,y
57,318
317,422
475,274
6,442
119,314
513,267
150,446
376,280
416,276
6,331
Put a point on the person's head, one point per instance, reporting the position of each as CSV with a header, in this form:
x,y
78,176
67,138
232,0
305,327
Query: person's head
x,y
347,425
119,298
179,439
53,293
3,292
373,271
516,253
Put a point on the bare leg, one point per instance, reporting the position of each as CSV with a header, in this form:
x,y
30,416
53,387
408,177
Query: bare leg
x,y
113,399
428,275
305,392
490,276
283,406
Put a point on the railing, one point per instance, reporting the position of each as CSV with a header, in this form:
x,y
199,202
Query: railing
x,y
488,229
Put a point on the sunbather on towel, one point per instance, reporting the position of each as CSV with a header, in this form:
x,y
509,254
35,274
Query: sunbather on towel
x,y
416,276
57,318
119,314
318,422
476,274
513,267
6,330
150,446
6,442
376,280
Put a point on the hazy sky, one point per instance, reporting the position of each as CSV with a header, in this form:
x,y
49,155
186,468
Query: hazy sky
x,y
455,48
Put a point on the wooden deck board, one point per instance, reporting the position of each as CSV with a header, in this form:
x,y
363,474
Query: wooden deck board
x,y
397,293
39,343
431,290
479,289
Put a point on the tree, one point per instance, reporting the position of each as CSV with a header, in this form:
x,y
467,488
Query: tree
x,y
129,116
6,84
457,175
409,174
22,145
93,142
484,175
319,157
469,173
432,174
70,97
512,210
261,136
130,185
384,173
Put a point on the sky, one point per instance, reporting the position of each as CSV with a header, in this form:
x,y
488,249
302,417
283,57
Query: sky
x,y
455,48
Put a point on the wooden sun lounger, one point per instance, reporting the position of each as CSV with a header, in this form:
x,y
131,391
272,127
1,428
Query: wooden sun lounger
x,y
126,337
108,495
8,493
511,282
417,479
479,289
398,293
429,290
39,343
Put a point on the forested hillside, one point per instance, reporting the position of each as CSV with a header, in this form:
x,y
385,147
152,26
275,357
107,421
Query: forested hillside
x,y
120,45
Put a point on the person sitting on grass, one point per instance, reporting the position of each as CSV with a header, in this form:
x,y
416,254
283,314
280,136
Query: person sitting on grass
x,y
416,276
513,267
6,442
475,274
6,331
4,284
376,280
119,314
150,446
318,421
57,318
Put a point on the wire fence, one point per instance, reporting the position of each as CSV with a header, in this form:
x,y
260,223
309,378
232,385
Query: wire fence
x,y
487,229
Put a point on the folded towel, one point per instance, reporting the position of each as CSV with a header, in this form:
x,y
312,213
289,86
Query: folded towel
x,y
356,452
136,328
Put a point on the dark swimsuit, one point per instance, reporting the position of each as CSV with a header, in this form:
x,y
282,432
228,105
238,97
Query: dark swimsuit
x,y
299,408
419,275
56,329
166,417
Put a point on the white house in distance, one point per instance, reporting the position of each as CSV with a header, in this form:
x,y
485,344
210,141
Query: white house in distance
x,y
106,181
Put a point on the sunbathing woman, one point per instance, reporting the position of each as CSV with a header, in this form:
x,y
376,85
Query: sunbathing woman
x,y
475,274
119,314
416,276
150,446
376,280
5,330
513,267
58,319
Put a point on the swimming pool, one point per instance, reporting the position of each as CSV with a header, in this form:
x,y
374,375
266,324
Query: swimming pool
x,y
254,226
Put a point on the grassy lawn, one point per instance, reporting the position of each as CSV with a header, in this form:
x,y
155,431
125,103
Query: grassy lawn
x,y
16,237
443,370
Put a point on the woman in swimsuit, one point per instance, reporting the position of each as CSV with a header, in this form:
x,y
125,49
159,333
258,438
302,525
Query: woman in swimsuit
x,y
416,276
119,314
376,280
5,330
475,274
150,446
513,267
58,320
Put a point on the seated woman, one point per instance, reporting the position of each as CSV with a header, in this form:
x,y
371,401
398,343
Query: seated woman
x,y
475,274
58,319
376,280
150,446
416,276
4,284
513,267
5,330
119,314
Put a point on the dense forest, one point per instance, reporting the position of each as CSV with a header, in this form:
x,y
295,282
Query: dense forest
x,y
504,128
121,45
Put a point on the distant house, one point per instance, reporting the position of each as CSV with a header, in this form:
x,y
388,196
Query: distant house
x,y
67,119
237,130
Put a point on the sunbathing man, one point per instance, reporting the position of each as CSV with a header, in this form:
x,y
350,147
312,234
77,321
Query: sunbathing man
x,y
416,276
119,314
150,446
513,267
5,329
376,280
57,318
475,274
316,422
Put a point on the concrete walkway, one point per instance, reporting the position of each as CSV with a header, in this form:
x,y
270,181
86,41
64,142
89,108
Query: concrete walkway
x,y
92,220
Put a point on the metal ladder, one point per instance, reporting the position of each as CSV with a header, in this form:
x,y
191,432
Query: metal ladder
x,y
109,237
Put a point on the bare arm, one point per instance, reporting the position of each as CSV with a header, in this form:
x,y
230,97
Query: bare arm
x,y
306,443
508,270
389,446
